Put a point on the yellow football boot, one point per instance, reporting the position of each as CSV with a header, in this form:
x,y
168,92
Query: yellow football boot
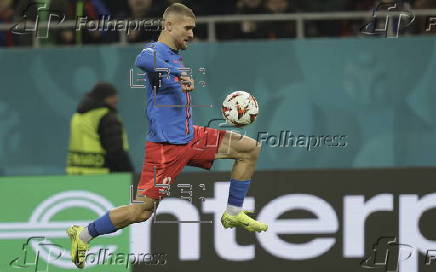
x,y
78,247
242,220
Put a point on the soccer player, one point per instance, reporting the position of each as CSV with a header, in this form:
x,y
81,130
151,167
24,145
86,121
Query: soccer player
x,y
173,141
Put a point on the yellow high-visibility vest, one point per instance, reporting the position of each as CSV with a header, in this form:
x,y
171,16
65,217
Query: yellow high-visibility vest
x,y
85,152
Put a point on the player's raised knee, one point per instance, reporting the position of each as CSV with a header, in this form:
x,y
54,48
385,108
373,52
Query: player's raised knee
x,y
253,148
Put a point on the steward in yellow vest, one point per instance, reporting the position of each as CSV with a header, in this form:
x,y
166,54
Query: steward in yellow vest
x,y
98,142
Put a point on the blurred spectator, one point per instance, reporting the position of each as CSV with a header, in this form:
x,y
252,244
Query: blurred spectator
x,y
93,10
117,8
275,30
249,7
425,4
277,6
6,16
209,7
13,11
142,9
98,142
247,29
322,5
350,28
325,28
361,5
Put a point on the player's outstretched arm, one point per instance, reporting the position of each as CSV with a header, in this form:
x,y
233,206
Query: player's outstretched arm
x,y
148,61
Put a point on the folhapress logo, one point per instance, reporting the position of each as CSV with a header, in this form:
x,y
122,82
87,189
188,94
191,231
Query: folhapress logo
x,y
45,17
389,19
30,259
40,229
388,253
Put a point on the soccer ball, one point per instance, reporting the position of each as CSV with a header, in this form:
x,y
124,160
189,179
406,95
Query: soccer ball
x,y
240,108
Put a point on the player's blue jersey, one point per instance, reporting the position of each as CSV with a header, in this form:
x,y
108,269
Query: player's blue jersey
x,y
168,107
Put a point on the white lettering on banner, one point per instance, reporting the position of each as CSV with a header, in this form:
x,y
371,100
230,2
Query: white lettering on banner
x,y
411,210
356,211
189,234
325,223
140,237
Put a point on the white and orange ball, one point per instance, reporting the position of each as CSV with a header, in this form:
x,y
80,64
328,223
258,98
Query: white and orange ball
x,y
240,108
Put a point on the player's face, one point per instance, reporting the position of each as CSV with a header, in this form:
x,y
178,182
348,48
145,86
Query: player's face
x,y
183,32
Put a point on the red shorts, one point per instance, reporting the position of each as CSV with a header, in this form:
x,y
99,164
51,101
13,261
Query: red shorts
x,y
165,161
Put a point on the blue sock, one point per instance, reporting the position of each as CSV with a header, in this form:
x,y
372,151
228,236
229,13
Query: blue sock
x,y
237,192
102,225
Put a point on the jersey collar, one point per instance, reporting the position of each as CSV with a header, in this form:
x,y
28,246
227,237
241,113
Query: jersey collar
x,y
168,48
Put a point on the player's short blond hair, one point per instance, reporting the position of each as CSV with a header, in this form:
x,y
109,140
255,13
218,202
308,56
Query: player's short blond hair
x,y
178,9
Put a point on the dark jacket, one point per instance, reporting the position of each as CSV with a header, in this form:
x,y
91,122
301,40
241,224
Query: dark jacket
x,y
111,135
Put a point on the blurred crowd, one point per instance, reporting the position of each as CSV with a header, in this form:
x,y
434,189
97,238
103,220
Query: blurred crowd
x,y
20,11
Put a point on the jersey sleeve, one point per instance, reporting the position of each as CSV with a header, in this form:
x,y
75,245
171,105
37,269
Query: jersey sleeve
x,y
148,60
